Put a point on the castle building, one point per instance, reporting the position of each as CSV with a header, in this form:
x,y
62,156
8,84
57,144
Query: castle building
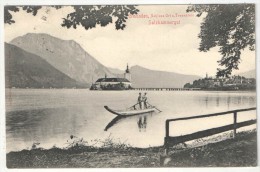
x,y
113,83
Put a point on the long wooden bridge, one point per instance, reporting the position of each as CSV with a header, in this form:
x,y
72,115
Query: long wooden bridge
x,y
167,89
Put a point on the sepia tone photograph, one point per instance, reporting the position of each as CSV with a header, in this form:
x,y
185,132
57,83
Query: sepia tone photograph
x,y
130,86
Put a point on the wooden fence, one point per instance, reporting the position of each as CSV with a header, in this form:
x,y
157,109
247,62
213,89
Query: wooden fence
x,y
171,141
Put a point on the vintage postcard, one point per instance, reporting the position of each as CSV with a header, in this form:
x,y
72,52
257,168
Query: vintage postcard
x,y
127,86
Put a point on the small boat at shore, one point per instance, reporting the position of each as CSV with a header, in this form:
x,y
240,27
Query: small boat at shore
x,y
130,111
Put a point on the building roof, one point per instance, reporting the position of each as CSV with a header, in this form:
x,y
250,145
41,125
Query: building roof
x,y
112,80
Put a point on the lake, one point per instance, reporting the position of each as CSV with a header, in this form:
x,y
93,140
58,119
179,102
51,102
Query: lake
x,y
50,116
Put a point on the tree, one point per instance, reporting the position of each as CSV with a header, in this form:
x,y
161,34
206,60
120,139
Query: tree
x,y
87,16
229,27
187,85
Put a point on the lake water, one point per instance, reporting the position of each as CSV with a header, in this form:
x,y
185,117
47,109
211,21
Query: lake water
x,y
50,116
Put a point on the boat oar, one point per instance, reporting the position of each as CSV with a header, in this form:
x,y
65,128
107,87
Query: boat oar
x,y
133,105
154,107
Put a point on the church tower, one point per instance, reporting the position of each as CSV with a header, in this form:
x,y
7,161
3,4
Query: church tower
x,y
127,74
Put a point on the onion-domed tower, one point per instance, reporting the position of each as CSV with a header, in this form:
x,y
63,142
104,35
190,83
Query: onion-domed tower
x,y
127,74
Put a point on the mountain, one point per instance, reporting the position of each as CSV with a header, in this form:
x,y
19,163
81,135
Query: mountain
x,y
147,78
24,69
248,74
71,59
65,55
116,71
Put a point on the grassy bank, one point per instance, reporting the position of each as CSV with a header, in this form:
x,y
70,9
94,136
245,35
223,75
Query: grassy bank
x,y
240,151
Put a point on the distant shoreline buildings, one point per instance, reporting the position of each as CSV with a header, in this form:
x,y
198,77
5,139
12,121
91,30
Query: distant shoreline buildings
x,y
221,83
114,83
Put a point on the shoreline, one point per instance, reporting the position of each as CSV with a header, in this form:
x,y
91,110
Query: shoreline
x,y
139,90
240,151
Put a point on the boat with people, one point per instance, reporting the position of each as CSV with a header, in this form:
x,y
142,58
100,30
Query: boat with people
x,y
132,110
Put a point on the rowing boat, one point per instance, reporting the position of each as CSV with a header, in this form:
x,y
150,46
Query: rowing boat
x,y
129,112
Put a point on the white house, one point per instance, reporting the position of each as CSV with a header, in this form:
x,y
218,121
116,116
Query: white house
x,y
114,83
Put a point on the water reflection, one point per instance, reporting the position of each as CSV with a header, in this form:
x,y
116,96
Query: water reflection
x,y
252,100
113,122
142,123
217,102
206,101
228,102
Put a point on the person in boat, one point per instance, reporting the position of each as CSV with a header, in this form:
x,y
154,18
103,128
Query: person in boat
x,y
139,100
144,99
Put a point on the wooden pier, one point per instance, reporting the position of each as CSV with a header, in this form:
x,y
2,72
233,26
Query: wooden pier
x,y
167,89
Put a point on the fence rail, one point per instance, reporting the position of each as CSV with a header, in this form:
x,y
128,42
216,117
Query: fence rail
x,y
171,141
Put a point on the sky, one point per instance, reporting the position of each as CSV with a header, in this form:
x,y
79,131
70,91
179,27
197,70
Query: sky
x,y
169,47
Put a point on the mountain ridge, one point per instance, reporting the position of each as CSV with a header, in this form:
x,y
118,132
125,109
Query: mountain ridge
x,y
65,55
27,70
71,59
145,78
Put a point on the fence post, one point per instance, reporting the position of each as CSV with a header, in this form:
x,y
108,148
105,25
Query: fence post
x,y
167,128
235,124
166,136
